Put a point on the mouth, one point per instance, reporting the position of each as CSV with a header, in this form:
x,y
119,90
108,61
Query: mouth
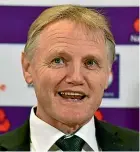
x,y
72,96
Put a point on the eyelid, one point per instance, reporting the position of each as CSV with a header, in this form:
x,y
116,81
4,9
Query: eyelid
x,y
58,57
96,61
87,59
61,58
49,61
61,54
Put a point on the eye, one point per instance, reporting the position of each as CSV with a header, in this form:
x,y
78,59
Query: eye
x,y
90,63
58,61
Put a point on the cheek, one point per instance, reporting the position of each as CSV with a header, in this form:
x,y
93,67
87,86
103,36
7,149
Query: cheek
x,y
50,78
97,81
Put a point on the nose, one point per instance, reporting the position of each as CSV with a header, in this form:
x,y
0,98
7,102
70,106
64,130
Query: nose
x,y
74,75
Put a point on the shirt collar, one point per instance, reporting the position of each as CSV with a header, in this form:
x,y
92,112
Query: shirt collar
x,y
87,132
43,135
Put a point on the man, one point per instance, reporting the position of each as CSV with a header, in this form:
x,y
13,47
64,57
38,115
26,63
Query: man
x,y
68,57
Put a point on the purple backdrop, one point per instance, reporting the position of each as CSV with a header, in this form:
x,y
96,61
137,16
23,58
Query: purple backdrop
x,y
15,22
124,117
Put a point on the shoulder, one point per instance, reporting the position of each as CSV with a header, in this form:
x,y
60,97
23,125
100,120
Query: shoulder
x,y
127,137
15,138
123,131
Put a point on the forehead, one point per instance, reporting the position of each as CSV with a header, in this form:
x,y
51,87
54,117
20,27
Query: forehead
x,y
66,32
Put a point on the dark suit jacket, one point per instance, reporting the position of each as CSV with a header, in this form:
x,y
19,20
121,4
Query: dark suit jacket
x,y
109,138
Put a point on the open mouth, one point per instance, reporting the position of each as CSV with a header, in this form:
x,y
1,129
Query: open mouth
x,y
72,95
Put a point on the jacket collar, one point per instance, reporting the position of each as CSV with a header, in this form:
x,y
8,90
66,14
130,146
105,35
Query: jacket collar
x,y
19,140
108,137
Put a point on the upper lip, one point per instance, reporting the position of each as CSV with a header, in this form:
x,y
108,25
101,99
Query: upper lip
x,y
77,91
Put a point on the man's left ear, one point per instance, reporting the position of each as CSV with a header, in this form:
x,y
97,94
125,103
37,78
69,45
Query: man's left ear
x,y
106,85
107,79
26,68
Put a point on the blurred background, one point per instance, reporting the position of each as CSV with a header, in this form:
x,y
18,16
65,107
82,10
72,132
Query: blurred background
x,y
120,105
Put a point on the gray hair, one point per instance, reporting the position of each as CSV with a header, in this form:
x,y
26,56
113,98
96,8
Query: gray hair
x,y
92,19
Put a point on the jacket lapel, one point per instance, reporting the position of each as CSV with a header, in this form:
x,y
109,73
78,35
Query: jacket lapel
x,y
107,137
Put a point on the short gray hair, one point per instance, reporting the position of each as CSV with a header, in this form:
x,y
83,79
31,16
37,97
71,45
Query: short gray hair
x,y
92,19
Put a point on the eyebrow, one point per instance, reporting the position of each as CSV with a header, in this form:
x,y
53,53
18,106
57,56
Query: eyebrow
x,y
68,55
91,56
57,52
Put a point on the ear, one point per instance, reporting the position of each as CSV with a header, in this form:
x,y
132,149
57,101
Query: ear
x,y
107,78
106,85
26,68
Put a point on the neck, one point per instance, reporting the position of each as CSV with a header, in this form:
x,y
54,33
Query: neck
x,y
65,128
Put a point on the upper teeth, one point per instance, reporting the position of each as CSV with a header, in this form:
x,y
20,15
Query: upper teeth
x,y
72,93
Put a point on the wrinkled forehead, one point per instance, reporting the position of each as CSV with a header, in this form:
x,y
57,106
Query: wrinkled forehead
x,y
67,30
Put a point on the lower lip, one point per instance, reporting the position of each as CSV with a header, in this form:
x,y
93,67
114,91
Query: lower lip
x,y
72,100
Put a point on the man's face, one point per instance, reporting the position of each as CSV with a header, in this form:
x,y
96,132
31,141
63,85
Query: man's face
x,y
70,71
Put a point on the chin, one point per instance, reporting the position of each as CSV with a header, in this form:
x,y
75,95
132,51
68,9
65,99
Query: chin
x,y
73,120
